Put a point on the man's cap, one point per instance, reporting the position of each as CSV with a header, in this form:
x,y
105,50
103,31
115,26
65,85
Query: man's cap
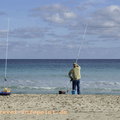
x,y
75,64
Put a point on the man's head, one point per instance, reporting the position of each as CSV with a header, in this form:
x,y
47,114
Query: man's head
x,y
75,65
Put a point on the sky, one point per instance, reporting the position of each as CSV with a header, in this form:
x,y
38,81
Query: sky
x,y
54,29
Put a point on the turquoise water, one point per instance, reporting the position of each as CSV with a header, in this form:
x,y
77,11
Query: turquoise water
x,y
50,76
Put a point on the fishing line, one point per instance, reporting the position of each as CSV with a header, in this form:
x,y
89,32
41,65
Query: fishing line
x,y
81,43
67,86
6,57
80,47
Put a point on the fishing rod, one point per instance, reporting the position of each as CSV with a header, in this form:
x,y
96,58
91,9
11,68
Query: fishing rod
x,y
80,47
6,58
6,91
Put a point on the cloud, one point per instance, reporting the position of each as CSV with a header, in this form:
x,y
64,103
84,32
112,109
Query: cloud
x,y
55,13
55,18
86,5
109,16
29,33
103,24
106,21
89,6
69,15
103,29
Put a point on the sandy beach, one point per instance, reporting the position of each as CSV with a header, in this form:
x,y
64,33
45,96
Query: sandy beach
x,y
59,107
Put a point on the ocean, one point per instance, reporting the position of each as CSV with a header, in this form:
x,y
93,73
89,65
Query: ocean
x,y
48,76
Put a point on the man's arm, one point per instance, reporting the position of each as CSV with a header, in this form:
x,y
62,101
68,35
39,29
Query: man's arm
x,y
70,75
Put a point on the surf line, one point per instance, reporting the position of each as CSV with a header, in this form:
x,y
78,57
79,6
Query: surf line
x,y
81,45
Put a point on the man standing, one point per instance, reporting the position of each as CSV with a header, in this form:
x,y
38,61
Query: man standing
x,y
75,77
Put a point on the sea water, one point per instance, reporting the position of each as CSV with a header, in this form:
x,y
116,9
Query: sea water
x,y
44,76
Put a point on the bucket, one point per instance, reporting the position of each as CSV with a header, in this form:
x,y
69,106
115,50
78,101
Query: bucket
x,y
73,92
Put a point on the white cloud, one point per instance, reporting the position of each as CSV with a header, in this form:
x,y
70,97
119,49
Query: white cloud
x,y
113,8
55,18
69,15
104,23
110,14
55,13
